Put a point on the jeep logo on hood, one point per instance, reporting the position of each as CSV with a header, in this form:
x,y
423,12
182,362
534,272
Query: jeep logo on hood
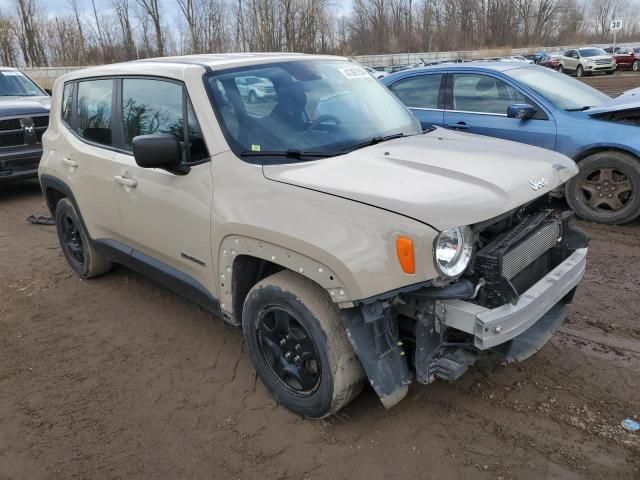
x,y
539,183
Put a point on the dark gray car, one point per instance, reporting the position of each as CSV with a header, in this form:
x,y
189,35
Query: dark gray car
x,y
24,116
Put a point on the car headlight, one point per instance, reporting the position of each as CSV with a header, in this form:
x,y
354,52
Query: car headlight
x,y
453,249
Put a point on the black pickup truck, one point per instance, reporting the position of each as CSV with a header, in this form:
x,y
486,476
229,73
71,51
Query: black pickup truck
x,y
24,116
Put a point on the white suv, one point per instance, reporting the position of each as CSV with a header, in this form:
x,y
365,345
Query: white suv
x,y
347,242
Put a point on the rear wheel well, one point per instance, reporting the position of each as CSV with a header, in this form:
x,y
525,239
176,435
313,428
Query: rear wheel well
x,y
248,271
53,196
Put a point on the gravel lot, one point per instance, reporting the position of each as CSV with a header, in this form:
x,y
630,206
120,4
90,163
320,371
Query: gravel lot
x,y
119,378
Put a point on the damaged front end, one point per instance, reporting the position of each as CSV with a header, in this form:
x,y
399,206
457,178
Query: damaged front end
x,y
508,303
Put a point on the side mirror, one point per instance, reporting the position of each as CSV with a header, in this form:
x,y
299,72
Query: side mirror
x,y
48,91
159,150
521,111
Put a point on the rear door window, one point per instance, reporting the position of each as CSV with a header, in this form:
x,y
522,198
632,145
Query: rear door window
x,y
420,91
94,111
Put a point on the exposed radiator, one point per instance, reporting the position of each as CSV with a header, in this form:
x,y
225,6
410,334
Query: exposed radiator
x,y
530,249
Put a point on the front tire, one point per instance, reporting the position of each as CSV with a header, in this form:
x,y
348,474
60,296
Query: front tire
x,y
580,71
606,189
636,66
299,347
74,240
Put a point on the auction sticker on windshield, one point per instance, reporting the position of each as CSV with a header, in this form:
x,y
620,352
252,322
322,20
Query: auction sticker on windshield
x,y
351,73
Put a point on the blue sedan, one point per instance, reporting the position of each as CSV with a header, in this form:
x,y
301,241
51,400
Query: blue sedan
x,y
541,107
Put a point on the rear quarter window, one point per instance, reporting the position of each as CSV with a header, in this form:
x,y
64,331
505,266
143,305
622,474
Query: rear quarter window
x,y
67,103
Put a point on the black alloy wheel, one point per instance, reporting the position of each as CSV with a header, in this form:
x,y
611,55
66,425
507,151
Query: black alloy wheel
x,y
288,350
71,238
82,256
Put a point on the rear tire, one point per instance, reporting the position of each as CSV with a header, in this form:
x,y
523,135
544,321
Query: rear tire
x,y
561,69
74,240
299,347
607,188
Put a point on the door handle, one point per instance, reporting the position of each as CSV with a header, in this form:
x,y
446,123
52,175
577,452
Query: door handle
x,y
69,163
126,182
459,126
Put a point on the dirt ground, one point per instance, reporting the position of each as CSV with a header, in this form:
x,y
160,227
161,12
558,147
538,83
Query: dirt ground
x,y
614,85
119,378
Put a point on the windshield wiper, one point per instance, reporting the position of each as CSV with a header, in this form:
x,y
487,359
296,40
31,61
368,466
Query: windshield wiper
x,y
291,153
581,109
371,141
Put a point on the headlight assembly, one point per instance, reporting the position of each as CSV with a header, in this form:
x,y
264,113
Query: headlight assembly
x,y
453,249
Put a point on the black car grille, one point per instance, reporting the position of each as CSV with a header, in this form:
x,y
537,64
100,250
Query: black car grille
x,y
11,139
11,124
12,131
41,121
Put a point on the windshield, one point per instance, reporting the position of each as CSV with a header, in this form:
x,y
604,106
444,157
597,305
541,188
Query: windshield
x,y
561,90
592,52
324,107
14,83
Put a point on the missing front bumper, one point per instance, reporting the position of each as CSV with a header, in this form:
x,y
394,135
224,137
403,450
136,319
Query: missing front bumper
x,y
493,327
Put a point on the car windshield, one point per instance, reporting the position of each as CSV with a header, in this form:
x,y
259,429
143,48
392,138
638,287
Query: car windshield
x,y
313,108
561,90
592,52
14,83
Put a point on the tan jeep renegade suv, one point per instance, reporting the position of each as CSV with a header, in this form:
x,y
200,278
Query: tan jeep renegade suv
x,y
348,243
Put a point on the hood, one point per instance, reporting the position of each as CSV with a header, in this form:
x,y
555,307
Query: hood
x,y
17,106
442,178
627,101
608,58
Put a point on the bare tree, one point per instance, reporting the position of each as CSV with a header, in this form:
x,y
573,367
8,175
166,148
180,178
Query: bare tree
x,y
29,32
123,12
8,47
151,8
603,11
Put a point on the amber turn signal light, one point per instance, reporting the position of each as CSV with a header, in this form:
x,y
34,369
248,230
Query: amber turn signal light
x,y
406,255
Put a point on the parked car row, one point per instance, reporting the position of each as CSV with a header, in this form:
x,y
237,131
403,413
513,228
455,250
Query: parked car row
x,y
591,60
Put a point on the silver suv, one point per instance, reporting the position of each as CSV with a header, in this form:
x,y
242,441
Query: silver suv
x,y
586,61
349,244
